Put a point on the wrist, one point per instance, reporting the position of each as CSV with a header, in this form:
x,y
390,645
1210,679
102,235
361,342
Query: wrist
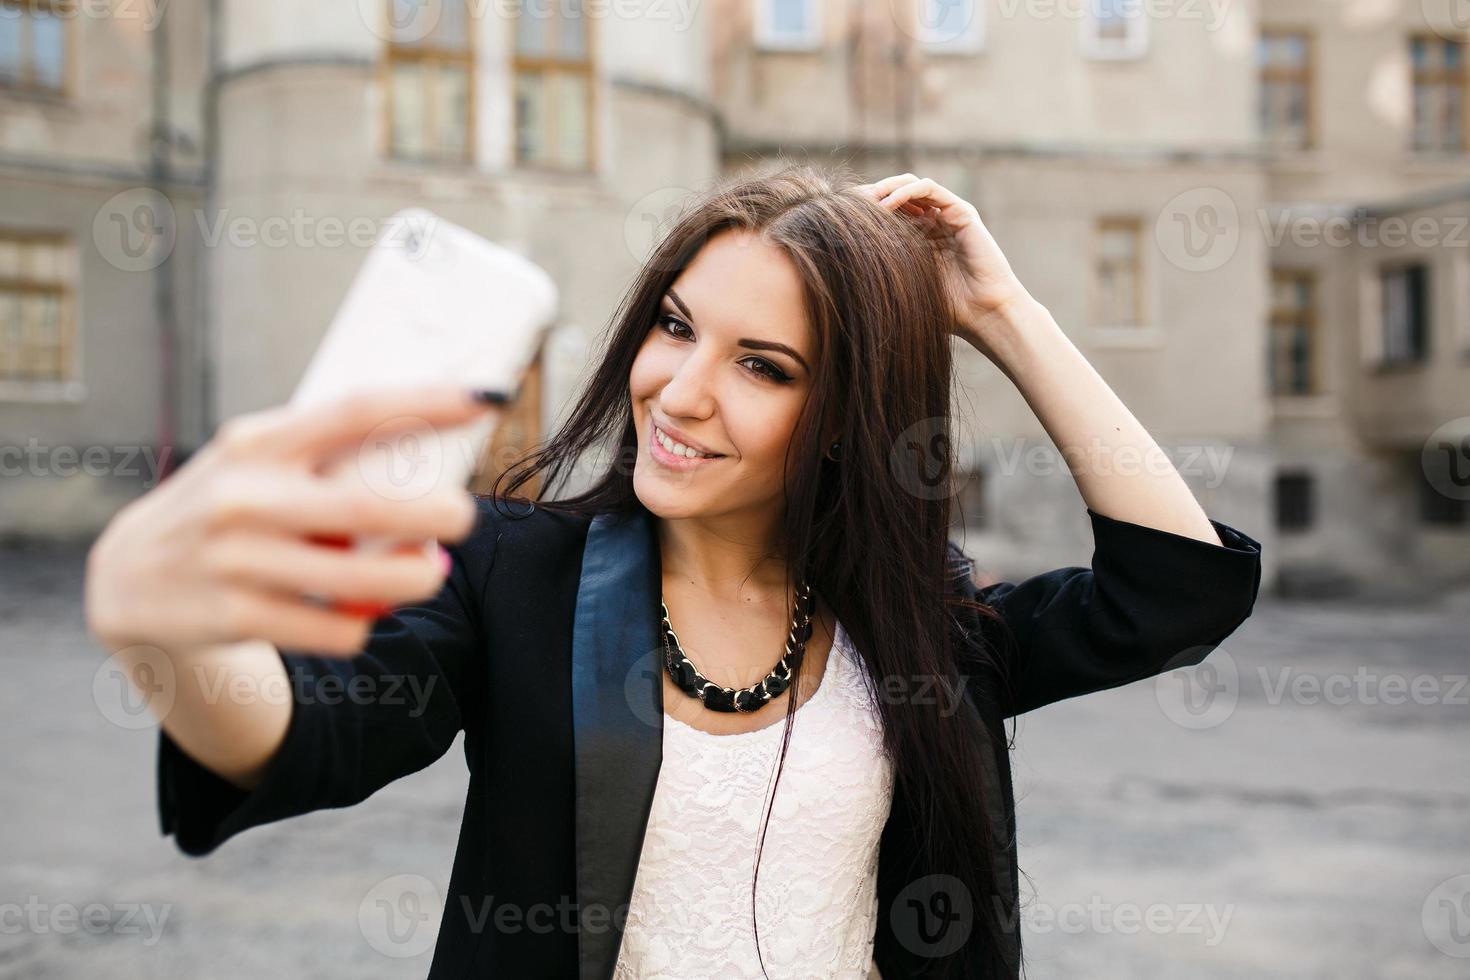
x,y
1011,331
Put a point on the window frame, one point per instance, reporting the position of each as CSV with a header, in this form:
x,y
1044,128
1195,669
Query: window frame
x,y
1305,76
1461,304
66,286
1312,316
395,53
1141,305
1382,361
1440,76
546,66
1307,481
765,38
1131,48
65,90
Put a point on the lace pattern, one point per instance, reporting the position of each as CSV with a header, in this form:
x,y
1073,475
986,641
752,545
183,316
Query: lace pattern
x,y
817,903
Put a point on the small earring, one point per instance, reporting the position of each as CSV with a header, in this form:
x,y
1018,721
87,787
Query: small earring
x,y
835,452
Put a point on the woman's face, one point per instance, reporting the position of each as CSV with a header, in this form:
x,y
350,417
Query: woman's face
x,y
728,365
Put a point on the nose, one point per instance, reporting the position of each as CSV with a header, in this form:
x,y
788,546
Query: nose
x,y
689,393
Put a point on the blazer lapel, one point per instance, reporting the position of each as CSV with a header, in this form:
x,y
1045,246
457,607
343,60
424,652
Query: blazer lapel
x,y
617,724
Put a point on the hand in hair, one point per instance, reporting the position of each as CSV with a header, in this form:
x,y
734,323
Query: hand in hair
x,y
981,283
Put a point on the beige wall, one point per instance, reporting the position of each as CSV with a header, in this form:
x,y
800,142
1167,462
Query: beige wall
x,y
309,137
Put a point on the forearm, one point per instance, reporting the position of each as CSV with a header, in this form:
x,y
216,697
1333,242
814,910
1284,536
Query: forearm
x,y
230,707
1120,470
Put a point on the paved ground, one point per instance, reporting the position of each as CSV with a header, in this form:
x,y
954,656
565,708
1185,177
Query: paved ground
x,y
1283,820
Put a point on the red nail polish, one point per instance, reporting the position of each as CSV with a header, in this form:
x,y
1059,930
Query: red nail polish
x,y
331,540
354,607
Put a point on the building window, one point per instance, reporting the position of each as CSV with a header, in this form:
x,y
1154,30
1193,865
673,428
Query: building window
x,y
1295,501
1285,59
1405,338
553,86
946,26
1293,351
790,25
33,43
1115,29
37,277
1439,93
1119,273
431,71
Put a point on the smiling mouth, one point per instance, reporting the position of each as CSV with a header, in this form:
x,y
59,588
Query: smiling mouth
x,y
674,451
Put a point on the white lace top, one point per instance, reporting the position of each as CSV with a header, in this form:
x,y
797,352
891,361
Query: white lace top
x,y
817,902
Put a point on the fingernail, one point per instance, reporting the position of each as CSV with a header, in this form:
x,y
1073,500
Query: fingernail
x,y
331,540
490,396
354,607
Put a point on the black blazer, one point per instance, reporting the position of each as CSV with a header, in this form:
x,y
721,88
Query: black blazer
x,y
542,647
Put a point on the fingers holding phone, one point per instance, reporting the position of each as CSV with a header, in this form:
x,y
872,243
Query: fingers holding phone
x,y
300,524
254,537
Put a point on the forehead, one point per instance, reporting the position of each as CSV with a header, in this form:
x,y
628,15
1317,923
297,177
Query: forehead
x,y
740,281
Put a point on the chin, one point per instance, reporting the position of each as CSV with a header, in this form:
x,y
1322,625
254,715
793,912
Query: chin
x,y
665,498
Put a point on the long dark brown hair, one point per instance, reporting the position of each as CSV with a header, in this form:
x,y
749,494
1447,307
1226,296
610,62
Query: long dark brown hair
x,y
869,529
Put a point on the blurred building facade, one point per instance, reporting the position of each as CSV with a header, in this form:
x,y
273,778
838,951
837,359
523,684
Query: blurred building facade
x,y
1200,192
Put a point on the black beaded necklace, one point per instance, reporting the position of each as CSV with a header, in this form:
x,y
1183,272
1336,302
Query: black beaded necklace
x,y
717,698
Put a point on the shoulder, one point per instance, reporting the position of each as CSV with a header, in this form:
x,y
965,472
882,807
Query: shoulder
x,y
959,569
523,539
515,519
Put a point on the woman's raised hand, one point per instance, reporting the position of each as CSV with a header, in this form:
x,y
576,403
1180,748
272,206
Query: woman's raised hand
x,y
982,285
228,548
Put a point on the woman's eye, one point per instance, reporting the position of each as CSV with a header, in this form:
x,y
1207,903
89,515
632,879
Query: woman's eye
x,y
766,368
669,320
759,365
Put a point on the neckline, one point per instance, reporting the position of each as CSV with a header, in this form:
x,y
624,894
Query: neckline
x,y
839,649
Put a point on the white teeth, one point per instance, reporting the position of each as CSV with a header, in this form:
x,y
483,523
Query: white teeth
x,y
678,448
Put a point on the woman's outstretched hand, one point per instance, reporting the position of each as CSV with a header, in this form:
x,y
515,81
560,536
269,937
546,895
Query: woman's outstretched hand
x,y
982,286
230,547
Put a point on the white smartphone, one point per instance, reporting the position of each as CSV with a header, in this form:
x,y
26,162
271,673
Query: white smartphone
x,y
432,302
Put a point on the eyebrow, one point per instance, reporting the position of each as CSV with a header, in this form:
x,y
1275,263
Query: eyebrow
x,y
747,342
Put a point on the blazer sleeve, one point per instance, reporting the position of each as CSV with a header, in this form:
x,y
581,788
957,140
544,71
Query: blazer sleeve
x,y
356,724
1152,601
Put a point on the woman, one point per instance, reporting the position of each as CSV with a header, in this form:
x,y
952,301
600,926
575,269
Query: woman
x,y
767,542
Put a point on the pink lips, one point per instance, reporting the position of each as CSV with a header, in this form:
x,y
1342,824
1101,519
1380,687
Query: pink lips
x,y
666,458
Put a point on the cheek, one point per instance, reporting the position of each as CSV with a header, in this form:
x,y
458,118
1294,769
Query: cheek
x,y
638,376
761,426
